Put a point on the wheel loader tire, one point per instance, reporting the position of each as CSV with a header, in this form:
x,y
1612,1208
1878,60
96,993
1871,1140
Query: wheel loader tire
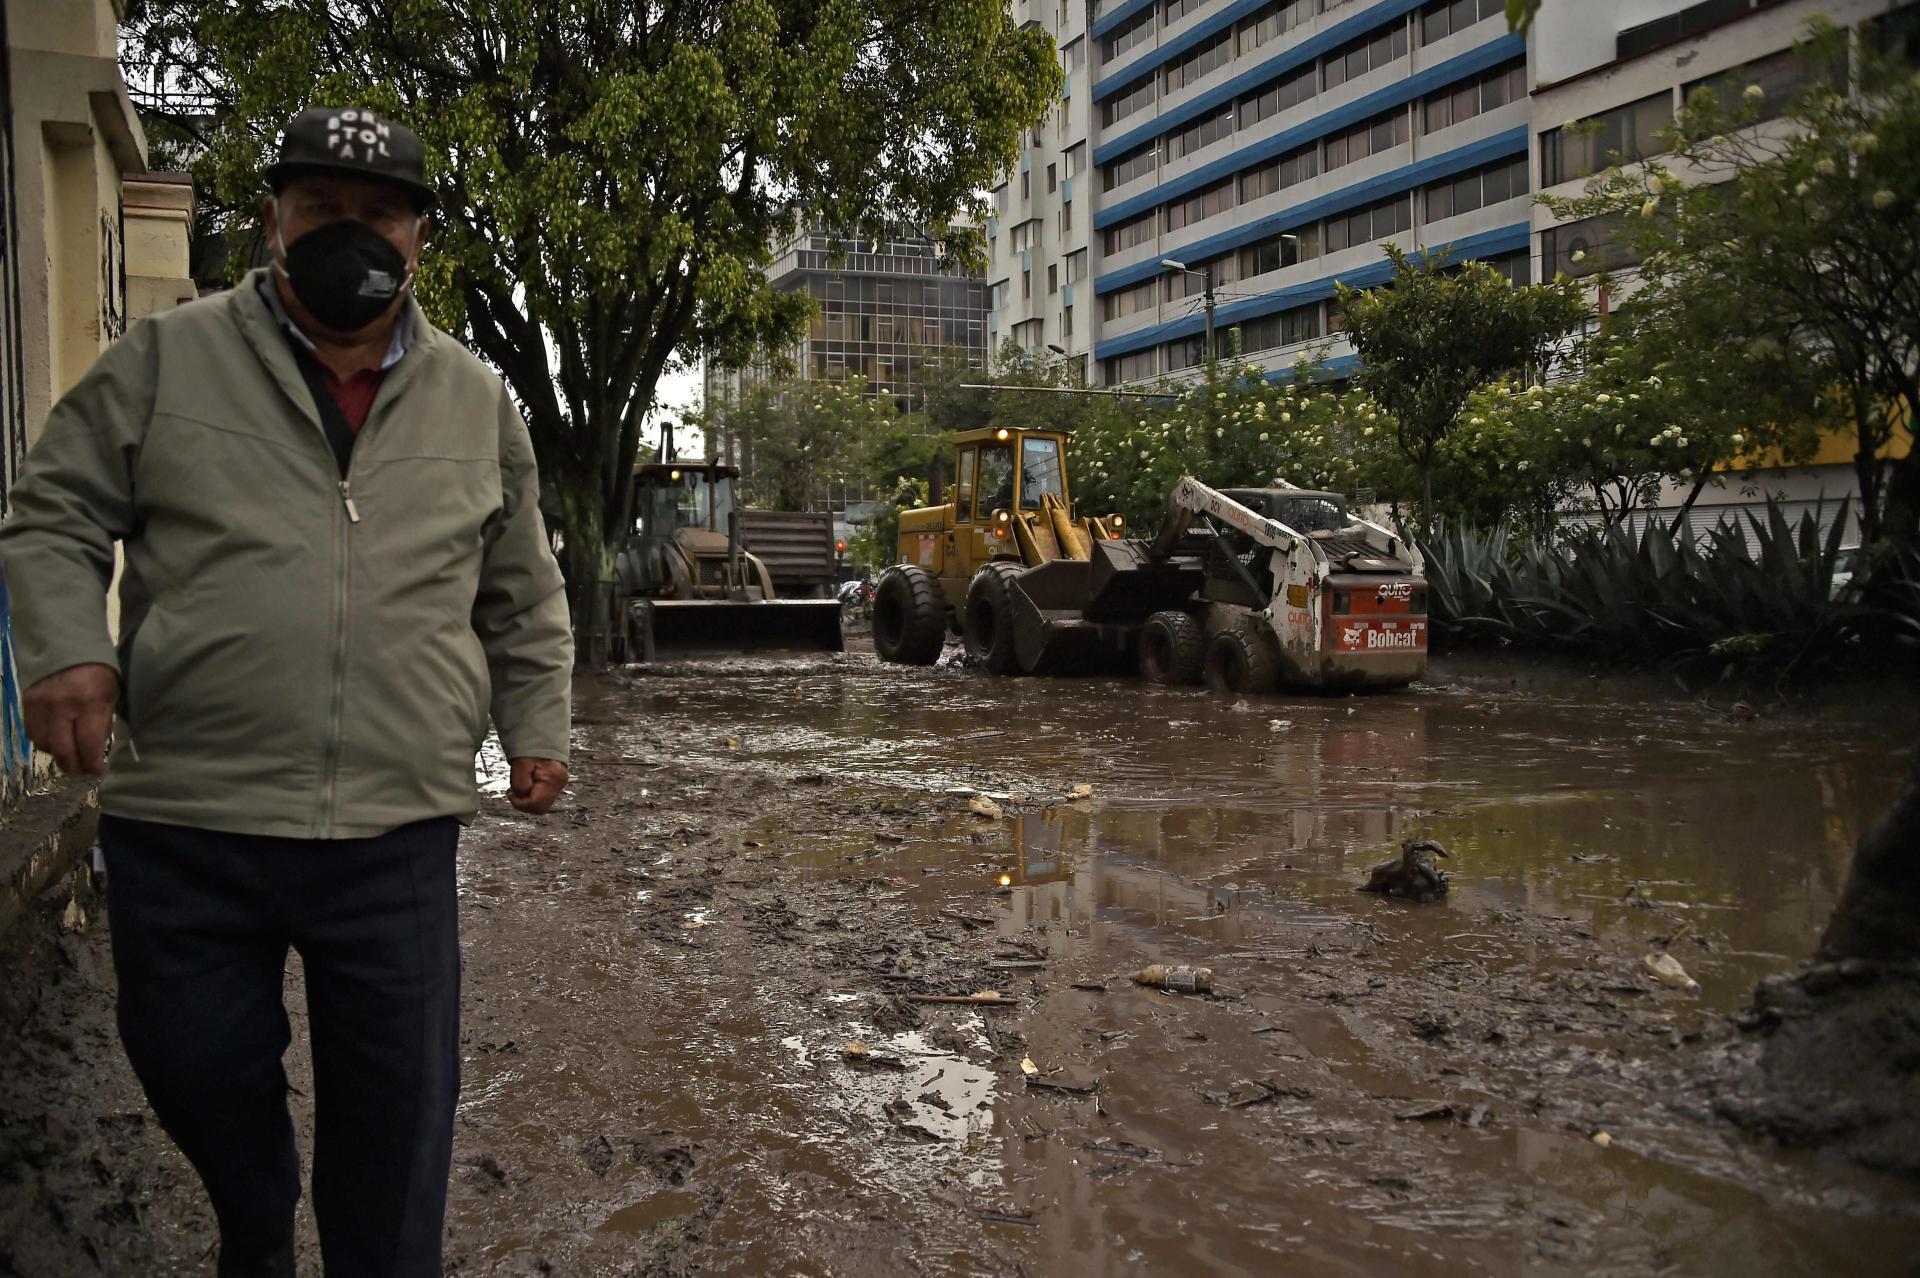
x,y
909,617
988,619
1241,665
1172,649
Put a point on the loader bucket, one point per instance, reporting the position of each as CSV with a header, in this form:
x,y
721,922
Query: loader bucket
x,y
667,628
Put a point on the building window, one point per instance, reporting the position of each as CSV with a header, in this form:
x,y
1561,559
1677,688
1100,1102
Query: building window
x,y
1028,334
1444,17
1066,218
1076,266
1026,184
1176,285
1066,322
1210,55
1135,97
1466,192
1127,301
1357,57
1021,237
1002,294
1289,248
1138,162
1137,31
1277,175
1619,136
1127,368
1201,205
1516,266
1272,22
1289,90
1026,285
1053,178
1582,248
1369,137
1118,239
1053,278
1200,134
1468,98
1076,160
1073,55
1178,9
1299,324
1185,353
1377,221
1782,77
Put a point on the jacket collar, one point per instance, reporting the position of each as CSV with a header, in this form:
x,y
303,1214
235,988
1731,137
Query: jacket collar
x,y
265,335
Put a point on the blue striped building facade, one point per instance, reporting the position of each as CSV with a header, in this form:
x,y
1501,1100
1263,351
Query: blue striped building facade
x,y
1276,144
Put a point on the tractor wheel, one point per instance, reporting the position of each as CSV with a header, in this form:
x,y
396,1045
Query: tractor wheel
x,y
909,617
1172,649
1239,664
989,618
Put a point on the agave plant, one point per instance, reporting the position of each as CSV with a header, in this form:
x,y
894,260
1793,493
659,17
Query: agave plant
x,y
1762,593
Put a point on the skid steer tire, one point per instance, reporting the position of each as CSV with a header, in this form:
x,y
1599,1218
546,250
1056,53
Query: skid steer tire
x,y
1172,649
909,617
988,619
1240,665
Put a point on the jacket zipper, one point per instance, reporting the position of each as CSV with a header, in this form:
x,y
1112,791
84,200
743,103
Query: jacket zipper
x,y
342,582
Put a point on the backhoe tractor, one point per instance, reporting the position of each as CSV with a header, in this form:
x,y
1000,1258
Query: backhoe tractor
x,y
1010,511
689,583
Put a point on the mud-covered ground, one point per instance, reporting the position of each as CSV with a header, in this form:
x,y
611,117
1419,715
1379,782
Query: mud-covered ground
x,y
759,864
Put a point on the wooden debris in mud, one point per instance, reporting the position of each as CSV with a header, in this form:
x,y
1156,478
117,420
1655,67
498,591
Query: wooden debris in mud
x,y
985,998
1255,1091
860,1056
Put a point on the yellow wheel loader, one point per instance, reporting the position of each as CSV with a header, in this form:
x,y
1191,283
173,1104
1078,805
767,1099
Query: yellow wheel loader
x,y
700,575
1250,589
1010,511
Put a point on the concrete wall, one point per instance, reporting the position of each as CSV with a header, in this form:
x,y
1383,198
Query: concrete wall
x,y
101,242
74,132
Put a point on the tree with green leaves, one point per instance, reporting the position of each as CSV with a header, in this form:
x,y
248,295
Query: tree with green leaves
x,y
792,437
1799,253
612,176
1435,333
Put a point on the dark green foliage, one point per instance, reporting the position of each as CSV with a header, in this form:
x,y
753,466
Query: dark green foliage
x,y
1767,598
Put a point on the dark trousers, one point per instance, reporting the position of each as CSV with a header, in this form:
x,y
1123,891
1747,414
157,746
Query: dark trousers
x,y
202,922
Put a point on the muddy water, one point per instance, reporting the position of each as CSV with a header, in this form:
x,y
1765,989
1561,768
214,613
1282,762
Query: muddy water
x,y
1386,1089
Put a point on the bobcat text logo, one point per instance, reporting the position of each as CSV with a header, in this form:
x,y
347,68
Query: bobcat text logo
x,y
1393,639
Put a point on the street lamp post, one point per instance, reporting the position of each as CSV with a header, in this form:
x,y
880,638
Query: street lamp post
x,y
1206,283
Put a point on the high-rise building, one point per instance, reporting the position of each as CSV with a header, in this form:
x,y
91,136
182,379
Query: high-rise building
x,y
1041,227
885,308
1259,152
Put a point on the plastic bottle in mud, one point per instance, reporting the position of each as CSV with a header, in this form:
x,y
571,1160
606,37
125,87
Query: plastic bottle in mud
x,y
1180,980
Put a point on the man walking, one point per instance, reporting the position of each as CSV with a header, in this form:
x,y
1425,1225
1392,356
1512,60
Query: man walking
x,y
335,571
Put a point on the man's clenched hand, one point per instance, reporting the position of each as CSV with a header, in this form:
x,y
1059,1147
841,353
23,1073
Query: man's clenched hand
x,y
70,715
536,784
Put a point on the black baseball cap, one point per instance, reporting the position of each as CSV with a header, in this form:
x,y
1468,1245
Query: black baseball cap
x,y
353,142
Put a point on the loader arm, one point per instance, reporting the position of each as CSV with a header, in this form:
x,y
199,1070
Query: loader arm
x,y
1190,497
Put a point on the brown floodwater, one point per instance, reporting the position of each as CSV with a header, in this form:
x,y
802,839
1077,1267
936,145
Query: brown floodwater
x,y
1582,824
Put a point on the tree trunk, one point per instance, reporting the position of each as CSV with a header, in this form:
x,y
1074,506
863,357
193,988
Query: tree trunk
x,y
1426,501
1900,522
587,564
1878,916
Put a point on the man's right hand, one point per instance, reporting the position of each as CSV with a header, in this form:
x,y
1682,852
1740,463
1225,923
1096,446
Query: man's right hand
x,y
70,716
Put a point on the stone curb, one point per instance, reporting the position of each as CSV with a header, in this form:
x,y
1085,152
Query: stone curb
x,y
42,839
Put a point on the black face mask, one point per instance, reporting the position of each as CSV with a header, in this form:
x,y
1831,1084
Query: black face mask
x,y
345,273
